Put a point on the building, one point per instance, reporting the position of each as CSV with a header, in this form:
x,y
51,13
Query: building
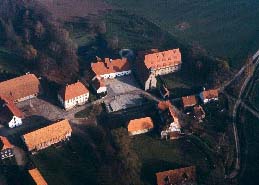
x,y
99,87
140,126
73,95
6,148
198,113
37,177
10,114
157,63
209,95
171,119
21,88
189,101
111,68
181,176
47,136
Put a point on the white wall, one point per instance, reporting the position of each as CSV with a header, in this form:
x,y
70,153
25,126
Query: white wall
x,y
101,90
15,122
114,75
79,100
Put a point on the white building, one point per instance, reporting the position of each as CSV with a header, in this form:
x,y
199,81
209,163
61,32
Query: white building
x,y
10,114
111,68
73,95
99,86
209,95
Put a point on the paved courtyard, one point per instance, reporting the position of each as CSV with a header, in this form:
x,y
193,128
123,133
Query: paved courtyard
x,y
118,88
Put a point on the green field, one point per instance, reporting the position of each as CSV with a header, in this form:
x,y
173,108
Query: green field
x,y
160,155
72,163
227,29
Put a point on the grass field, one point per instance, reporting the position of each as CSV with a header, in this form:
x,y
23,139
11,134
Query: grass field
x,y
71,164
160,155
224,28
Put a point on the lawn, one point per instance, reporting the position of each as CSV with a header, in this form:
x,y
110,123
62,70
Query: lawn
x,y
160,155
72,163
224,28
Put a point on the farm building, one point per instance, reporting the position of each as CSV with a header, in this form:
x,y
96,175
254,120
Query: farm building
x,y
72,95
110,68
9,114
47,136
99,86
158,63
209,95
189,101
21,88
37,177
6,148
181,176
140,126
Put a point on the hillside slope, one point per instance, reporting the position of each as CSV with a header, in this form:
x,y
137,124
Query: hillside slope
x,y
224,28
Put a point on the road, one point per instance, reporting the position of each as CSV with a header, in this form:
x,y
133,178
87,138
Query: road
x,y
239,102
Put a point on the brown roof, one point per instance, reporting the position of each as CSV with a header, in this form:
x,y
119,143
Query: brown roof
x,y
73,90
166,105
37,177
163,59
209,94
110,66
5,142
199,112
140,124
20,87
56,130
177,177
9,109
189,101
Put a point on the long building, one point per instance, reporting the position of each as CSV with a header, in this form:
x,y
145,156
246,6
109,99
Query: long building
x,y
47,136
158,63
110,68
20,88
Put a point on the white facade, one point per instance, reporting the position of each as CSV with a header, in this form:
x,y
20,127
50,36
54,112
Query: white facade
x,y
79,100
114,75
140,132
166,70
101,90
205,100
26,98
15,122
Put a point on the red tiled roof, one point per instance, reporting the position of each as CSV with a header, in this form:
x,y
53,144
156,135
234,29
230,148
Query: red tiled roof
x,y
73,90
42,135
9,108
5,142
37,177
177,177
166,105
140,124
110,66
189,101
20,87
209,94
163,59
